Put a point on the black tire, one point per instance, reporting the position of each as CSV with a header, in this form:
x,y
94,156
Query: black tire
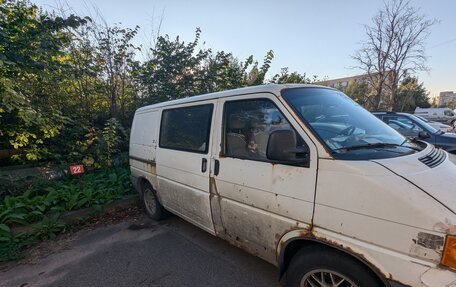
x,y
319,259
151,204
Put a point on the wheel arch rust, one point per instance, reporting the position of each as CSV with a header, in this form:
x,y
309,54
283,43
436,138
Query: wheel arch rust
x,y
143,181
299,238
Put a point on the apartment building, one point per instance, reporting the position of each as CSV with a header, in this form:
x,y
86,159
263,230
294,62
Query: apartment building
x,y
446,97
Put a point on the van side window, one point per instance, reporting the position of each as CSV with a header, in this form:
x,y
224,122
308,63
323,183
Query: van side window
x,y
186,129
247,125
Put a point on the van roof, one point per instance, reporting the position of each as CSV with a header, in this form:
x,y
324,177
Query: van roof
x,y
268,88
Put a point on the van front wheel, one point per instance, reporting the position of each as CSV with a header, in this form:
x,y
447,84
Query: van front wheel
x,y
151,204
317,266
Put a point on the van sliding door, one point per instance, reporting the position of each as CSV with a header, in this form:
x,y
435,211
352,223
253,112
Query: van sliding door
x,y
183,158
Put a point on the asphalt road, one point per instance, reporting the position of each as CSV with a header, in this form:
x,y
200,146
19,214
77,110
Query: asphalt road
x,y
167,253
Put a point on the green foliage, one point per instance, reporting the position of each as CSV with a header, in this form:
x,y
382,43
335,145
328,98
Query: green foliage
x,y
49,227
285,77
43,206
68,85
31,60
411,94
5,233
176,69
11,246
100,147
93,188
358,91
114,135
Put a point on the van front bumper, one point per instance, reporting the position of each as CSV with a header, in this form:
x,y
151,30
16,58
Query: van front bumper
x,y
439,278
433,277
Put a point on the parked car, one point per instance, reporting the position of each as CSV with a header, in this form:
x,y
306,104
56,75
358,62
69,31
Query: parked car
x,y
437,125
444,115
411,126
305,178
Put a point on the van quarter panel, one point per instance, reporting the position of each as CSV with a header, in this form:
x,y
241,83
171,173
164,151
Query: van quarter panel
x,y
143,146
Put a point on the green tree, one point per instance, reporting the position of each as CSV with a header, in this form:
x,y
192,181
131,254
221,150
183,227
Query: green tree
x,y
173,70
359,91
32,59
285,77
411,94
221,71
176,69
115,53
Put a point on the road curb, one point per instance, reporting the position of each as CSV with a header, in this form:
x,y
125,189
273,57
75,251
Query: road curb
x,y
74,216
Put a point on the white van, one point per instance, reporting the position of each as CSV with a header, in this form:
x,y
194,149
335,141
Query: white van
x,y
444,115
305,178
436,125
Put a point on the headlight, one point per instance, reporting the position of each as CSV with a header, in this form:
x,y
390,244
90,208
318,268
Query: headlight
x,y
449,252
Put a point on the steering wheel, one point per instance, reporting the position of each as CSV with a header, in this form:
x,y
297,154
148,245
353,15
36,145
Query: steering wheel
x,y
347,131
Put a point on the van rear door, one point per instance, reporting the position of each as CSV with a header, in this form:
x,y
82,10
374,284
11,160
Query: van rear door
x,y
183,157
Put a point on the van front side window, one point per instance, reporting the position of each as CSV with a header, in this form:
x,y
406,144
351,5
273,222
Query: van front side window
x,y
248,124
187,128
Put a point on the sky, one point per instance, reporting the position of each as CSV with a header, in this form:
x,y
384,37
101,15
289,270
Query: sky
x,y
312,37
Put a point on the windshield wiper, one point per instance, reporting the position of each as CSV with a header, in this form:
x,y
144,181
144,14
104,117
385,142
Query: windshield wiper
x,y
372,146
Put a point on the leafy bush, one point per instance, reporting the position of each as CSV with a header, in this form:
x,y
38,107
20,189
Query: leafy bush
x,y
91,189
96,148
42,206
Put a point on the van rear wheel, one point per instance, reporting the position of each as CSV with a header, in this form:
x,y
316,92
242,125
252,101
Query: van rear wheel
x,y
317,266
153,207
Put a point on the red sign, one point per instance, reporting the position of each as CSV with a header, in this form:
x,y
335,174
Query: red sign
x,y
76,169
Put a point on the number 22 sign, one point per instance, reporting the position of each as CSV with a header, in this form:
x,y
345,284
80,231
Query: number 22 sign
x,y
76,169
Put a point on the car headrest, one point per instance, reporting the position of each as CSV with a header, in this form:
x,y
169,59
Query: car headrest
x,y
236,122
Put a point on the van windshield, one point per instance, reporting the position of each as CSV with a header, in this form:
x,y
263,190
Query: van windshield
x,y
346,128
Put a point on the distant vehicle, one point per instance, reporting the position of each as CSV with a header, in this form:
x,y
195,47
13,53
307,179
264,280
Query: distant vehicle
x,y
444,115
437,125
413,127
305,178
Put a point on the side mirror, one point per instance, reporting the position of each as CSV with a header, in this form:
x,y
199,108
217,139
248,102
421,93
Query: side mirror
x,y
282,148
423,135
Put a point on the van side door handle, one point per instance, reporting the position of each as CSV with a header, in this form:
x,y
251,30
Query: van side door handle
x,y
216,167
204,165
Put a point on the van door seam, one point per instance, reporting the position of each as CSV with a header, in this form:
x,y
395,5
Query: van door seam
x,y
315,194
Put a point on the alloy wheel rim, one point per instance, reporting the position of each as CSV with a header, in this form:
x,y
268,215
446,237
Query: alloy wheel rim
x,y
149,200
326,278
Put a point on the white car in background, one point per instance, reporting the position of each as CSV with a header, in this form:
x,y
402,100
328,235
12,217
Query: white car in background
x,y
445,115
437,125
